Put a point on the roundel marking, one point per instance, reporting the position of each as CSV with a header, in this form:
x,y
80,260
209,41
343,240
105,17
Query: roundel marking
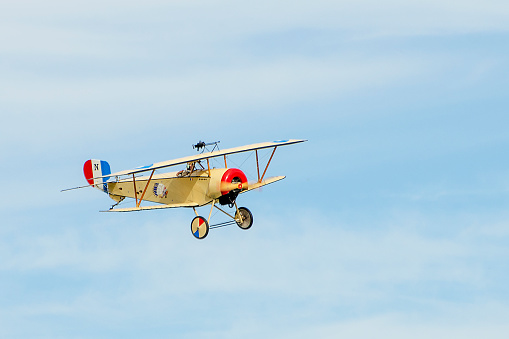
x,y
199,227
160,190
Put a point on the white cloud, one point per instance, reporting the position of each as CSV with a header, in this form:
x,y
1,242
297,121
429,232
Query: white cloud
x,y
240,19
68,109
74,66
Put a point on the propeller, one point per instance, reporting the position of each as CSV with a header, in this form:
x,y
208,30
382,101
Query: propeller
x,y
230,186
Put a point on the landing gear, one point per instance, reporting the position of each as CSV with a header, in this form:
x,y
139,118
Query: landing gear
x,y
199,227
244,218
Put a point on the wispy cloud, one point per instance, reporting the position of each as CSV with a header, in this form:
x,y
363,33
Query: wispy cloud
x,y
316,262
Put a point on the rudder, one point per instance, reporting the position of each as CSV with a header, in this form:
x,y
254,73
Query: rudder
x,y
97,168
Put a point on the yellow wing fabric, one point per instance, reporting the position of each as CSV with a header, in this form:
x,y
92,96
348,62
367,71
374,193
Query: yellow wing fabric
x,y
251,186
203,156
255,185
153,207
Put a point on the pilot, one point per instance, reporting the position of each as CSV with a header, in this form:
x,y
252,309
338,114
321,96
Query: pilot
x,y
189,169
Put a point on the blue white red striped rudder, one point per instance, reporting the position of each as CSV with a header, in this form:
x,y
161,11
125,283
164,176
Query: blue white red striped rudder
x,y
97,168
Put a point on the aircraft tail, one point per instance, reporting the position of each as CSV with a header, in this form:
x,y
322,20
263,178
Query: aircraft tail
x,y
97,168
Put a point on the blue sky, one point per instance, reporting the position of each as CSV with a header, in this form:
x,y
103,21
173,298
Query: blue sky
x,y
392,221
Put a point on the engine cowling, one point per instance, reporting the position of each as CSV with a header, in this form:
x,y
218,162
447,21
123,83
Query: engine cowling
x,y
226,184
233,179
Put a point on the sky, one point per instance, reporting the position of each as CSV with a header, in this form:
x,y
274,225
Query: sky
x,y
392,221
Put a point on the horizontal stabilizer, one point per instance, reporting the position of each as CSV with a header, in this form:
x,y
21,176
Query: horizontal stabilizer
x,y
79,187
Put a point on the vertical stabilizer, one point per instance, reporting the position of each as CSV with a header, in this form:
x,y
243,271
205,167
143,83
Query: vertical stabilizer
x,y
97,168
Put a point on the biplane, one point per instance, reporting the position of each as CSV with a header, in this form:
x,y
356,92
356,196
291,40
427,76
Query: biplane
x,y
197,185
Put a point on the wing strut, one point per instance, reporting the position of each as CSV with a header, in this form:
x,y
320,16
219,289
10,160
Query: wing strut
x,y
138,201
145,190
257,166
135,191
266,167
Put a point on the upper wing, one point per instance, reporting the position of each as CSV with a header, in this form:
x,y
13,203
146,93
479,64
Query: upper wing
x,y
203,156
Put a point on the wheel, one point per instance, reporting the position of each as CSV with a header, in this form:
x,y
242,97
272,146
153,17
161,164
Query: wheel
x,y
199,227
247,218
